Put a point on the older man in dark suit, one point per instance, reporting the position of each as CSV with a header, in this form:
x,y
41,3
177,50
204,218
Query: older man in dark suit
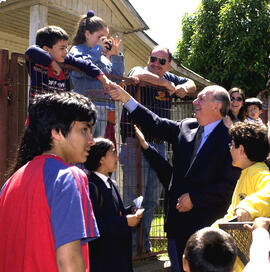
x,y
203,177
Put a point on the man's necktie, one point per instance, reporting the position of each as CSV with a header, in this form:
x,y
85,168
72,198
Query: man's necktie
x,y
110,182
198,140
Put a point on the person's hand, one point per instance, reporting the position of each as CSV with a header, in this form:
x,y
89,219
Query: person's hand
x,y
116,43
106,83
141,138
227,121
117,93
260,222
242,215
135,80
184,203
55,68
133,209
133,219
170,87
181,91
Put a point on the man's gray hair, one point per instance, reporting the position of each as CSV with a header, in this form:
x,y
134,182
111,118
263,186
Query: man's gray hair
x,y
221,95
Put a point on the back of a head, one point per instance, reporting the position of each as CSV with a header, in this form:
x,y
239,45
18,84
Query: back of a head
x,y
51,111
210,250
254,138
50,35
253,101
98,150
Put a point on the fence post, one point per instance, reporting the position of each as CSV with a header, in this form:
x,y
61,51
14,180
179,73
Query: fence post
x,y
139,177
4,65
14,107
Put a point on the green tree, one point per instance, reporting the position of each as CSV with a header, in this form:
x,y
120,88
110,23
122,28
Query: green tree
x,y
228,42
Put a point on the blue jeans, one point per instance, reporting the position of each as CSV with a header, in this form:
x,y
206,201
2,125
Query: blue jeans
x,y
100,126
151,187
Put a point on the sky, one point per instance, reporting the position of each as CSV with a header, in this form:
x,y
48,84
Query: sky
x,y
164,18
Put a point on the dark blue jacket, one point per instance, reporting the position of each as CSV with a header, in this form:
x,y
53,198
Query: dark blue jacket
x,y
210,180
112,251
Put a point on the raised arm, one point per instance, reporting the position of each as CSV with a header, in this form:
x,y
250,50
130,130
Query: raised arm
x,y
156,161
38,55
161,128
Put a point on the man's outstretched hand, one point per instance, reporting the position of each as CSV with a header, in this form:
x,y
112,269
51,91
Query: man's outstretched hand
x,y
117,93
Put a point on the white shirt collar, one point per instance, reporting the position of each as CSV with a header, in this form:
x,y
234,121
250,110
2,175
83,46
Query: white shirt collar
x,y
104,178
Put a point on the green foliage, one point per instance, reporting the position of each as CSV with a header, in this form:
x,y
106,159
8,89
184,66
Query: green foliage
x,y
228,42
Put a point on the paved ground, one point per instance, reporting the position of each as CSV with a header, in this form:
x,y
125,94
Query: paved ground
x,y
153,264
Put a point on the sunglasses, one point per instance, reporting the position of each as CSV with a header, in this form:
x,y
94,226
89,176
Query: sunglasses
x,y
161,60
239,99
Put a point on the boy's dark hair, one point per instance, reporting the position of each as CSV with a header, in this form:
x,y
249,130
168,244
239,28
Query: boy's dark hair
x,y
210,249
99,150
253,101
51,111
88,22
253,137
50,35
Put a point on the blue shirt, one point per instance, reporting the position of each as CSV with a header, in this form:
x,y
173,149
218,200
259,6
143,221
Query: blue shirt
x,y
86,85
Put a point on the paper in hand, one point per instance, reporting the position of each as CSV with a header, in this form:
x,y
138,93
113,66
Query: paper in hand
x,y
138,202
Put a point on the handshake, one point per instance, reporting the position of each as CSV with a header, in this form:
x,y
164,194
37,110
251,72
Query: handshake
x,y
117,93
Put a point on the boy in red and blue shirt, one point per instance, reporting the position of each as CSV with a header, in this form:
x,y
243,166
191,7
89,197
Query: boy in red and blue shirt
x,y
44,58
46,216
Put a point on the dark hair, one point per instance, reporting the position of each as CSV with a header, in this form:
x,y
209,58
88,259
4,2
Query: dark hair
x,y
88,22
50,35
253,101
241,114
99,150
253,137
51,111
210,249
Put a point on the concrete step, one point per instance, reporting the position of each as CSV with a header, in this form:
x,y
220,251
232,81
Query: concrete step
x,y
153,264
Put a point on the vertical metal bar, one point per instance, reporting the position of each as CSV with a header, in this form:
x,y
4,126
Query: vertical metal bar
x,y
139,176
3,112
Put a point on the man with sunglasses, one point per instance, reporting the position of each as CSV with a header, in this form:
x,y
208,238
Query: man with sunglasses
x,y
158,99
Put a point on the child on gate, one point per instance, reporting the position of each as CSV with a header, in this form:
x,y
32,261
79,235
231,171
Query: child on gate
x,y
254,109
44,59
112,251
91,43
46,217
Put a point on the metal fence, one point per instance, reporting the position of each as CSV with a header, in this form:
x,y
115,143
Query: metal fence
x,y
131,171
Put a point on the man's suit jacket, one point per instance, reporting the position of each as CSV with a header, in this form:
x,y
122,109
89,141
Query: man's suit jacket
x,y
112,251
210,180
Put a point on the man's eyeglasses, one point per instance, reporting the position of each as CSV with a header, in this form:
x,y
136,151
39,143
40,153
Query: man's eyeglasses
x,y
161,60
239,99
